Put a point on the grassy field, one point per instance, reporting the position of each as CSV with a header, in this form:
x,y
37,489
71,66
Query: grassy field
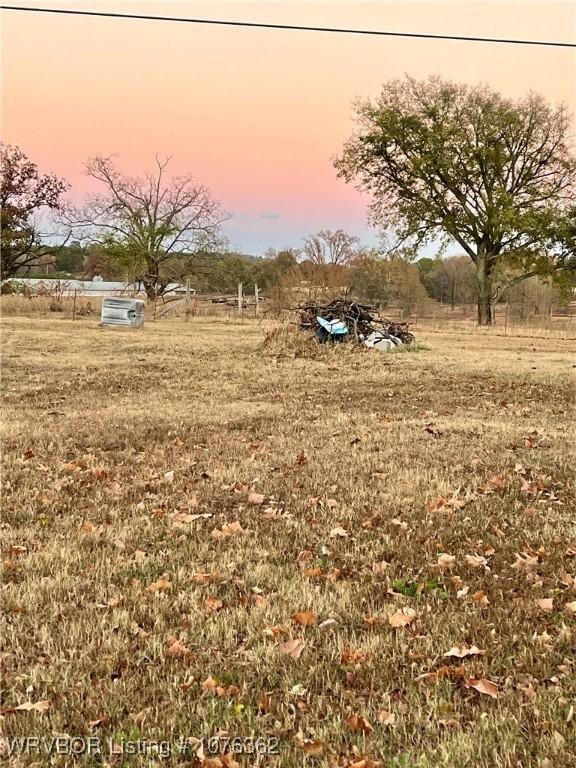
x,y
359,559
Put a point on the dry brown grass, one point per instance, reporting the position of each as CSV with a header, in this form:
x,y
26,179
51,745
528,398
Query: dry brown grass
x,y
127,455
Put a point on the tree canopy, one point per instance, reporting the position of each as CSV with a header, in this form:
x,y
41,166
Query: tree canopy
x,y
152,225
24,193
452,162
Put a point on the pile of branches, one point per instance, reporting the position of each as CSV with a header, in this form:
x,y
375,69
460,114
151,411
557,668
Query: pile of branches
x,y
361,319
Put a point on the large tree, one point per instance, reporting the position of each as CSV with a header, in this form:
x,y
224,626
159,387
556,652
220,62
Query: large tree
x,y
458,163
24,196
153,226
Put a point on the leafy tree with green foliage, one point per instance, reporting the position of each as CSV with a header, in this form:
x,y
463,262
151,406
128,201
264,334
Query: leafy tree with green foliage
x,y
24,193
458,163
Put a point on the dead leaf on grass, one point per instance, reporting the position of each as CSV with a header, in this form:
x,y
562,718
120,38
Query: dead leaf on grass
x,y
353,656
177,649
14,550
29,706
546,604
204,577
312,746
162,585
304,618
358,723
401,618
227,530
481,598
212,604
387,718
484,686
525,562
445,560
476,561
292,648
461,653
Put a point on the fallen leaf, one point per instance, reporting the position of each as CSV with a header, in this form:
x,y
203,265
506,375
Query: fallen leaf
x,y
292,648
89,528
358,723
257,499
169,476
228,529
353,656
212,604
480,598
570,607
546,604
401,619
28,706
14,550
104,720
338,531
204,577
483,685
476,561
159,586
209,685
461,653
313,746
386,718
177,649
445,560
276,631
525,562
304,618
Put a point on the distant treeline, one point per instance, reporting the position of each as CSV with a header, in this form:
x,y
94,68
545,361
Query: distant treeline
x,y
368,275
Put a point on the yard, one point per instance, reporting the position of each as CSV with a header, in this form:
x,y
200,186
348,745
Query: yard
x,y
346,559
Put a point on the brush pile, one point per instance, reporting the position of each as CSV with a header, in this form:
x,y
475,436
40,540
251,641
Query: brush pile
x,y
363,323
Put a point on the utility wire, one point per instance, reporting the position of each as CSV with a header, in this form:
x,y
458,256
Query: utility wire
x,y
259,25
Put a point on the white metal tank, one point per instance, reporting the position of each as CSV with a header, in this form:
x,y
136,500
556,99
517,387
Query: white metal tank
x,y
125,312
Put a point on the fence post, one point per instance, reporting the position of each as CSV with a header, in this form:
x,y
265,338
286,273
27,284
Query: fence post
x,y
187,298
74,305
240,299
256,299
506,320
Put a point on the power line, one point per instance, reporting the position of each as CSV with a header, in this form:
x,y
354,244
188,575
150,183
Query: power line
x,y
261,25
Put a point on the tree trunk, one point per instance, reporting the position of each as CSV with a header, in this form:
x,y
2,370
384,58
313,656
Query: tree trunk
x,y
484,276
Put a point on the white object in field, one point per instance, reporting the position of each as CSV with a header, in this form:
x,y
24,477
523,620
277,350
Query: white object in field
x,y
124,312
382,343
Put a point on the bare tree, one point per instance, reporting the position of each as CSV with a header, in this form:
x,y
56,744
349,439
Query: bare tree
x,y
327,247
153,225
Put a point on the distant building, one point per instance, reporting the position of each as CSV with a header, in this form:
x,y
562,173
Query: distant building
x,y
95,287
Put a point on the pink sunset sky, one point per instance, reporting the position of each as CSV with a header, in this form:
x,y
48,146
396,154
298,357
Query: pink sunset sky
x,y
256,115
